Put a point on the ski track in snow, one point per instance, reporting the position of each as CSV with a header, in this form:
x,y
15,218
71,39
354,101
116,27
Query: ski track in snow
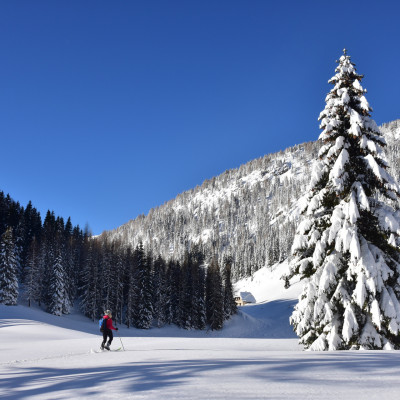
x,y
256,356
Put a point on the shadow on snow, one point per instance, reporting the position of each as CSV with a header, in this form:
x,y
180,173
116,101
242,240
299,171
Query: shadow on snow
x,y
146,376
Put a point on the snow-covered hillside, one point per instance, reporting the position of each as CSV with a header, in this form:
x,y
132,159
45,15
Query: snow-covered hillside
x,y
248,213
254,356
235,213
266,285
391,131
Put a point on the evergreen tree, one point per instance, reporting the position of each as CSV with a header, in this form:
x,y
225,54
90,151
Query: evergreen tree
x,y
91,284
19,236
3,213
106,277
200,317
80,248
186,294
49,254
68,244
32,223
59,299
161,292
167,294
214,297
8,269
174,279
143,312
117,272
346,247
174,283
15,211
130,289
230,306
58,303
32,278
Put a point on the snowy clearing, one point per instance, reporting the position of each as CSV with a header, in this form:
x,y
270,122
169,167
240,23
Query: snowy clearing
x,y
256,356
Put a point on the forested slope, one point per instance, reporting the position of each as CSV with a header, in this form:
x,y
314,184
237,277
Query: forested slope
x,y
247,213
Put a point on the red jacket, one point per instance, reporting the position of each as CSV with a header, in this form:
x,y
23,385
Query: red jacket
x,y
109,324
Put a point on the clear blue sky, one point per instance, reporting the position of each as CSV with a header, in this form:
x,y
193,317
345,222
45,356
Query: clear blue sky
x,y
109,108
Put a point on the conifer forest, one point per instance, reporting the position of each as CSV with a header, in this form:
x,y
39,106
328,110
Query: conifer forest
x,y
56,265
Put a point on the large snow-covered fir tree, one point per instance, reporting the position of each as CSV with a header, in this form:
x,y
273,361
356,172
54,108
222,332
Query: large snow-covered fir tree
x,y
346,246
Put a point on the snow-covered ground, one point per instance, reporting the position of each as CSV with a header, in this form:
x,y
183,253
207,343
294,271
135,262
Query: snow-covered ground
x,y
256,356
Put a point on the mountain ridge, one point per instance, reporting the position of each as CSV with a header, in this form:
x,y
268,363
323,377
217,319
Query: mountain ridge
x,y
249,213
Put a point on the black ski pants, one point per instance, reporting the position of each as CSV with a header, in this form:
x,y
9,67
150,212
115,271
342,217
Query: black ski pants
x,y
107,333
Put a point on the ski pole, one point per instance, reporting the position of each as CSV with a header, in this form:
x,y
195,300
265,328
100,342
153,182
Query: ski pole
x,y
121,341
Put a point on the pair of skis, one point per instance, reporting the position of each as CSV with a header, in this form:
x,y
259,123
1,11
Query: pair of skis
x,y
119,348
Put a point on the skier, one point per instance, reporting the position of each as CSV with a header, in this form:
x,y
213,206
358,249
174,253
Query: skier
x,y
107,331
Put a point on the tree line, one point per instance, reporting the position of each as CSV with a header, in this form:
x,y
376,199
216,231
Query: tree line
x,y
57,265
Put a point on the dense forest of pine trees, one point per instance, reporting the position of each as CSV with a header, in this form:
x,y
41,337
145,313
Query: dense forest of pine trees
x,y
56,265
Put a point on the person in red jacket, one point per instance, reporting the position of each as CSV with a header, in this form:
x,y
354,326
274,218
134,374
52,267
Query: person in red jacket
x,y
107,332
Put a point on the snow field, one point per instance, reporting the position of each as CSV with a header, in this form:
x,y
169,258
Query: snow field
x,y
68,366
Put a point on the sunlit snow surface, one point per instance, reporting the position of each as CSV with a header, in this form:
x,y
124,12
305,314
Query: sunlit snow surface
x,y
255,357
